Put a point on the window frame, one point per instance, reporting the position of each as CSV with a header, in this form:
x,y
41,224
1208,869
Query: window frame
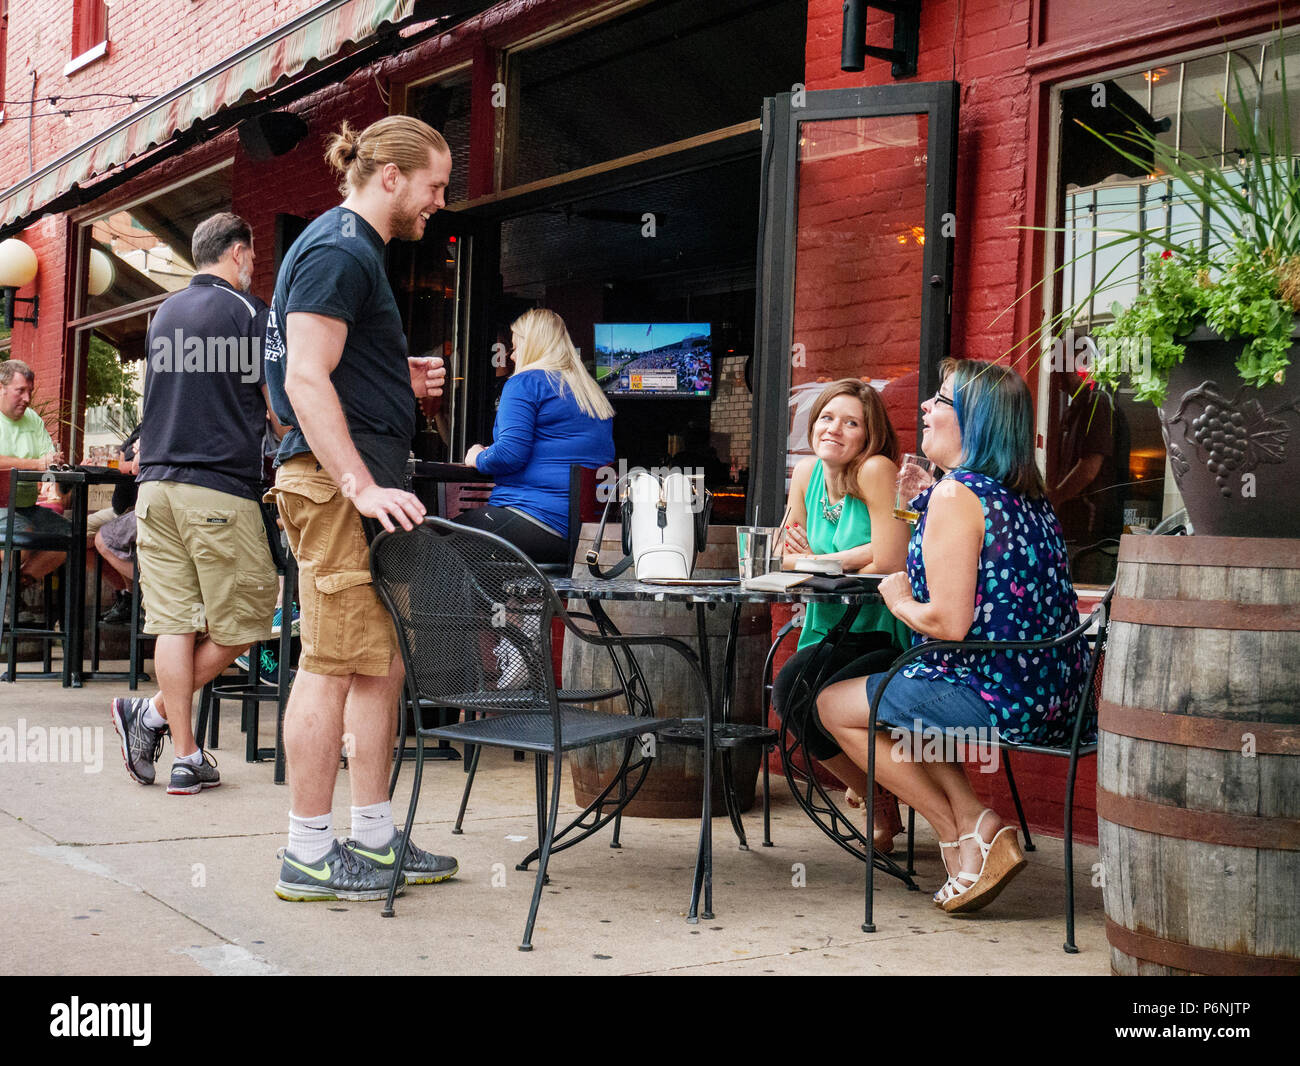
x,y
89,34
1053,262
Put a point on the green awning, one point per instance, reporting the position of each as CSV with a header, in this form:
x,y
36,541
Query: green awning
x,y
330,29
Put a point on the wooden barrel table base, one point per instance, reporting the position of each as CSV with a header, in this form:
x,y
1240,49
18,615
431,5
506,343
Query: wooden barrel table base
x,y
1199,759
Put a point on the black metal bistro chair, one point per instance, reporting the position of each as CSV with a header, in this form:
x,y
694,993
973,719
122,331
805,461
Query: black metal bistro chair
x,y
811,793
457,597
1083,739
583,507
14,544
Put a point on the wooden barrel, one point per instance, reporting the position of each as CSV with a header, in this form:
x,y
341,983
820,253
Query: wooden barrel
x,y
1199,762
674,786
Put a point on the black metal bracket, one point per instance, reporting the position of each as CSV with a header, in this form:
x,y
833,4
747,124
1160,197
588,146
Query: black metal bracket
x,y
907,36
12,298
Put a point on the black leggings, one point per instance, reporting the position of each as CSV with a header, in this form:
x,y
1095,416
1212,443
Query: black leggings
x,y
858,655
530,538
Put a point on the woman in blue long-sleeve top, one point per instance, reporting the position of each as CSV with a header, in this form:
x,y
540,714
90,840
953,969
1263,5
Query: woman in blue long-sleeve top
x,y
552,415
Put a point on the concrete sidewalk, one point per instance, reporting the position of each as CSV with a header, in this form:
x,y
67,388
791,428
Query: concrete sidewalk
x,y
103,876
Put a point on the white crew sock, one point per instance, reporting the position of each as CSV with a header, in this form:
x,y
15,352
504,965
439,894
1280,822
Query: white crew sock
x,y
373,826
194,758
310,839
152,718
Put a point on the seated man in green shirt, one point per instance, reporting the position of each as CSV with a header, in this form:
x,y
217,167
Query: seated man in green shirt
x,y
26,445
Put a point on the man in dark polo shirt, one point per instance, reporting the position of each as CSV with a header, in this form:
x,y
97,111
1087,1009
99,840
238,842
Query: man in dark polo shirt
x,y
205,565
338,373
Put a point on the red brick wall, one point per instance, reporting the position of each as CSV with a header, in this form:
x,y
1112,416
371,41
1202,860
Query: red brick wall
x,y
154,45
299,182
992,43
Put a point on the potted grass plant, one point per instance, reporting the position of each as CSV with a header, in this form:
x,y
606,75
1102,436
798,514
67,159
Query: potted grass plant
x,y
1211,335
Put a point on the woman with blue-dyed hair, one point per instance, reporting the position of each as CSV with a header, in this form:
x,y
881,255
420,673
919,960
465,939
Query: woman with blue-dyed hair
x,y
986,562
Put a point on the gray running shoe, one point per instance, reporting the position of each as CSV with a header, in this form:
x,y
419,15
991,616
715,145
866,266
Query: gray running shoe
x,y
419,867
341,874
141,745
189,780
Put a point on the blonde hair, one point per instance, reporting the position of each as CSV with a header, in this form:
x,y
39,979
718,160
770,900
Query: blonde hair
x,y
544,344
399,139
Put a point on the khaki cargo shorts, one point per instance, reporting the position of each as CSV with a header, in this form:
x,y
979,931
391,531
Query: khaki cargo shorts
x,y
345,628
204,563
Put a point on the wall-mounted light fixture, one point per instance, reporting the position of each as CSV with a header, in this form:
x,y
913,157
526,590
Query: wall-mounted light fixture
x,y
102,273
907,35
17,268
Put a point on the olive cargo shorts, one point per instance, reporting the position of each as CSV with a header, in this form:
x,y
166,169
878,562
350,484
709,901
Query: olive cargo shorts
x,y
345,629
204,563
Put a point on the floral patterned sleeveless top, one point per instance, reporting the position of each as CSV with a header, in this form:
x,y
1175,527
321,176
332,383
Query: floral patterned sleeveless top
x,y
1023,593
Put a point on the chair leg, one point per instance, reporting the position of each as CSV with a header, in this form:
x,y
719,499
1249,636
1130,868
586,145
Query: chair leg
x,y
911,842
469,783
12,585
253,708
539,771
1069,946
96,606
767,799
731,800
622,799
545,856
205,711
134,682
1015,797
387,912
47,614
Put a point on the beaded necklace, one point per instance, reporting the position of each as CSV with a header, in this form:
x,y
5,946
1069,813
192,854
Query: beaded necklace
x,y
832,514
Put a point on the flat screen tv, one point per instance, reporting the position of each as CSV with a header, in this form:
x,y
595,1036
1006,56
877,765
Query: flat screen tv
x,y
649,359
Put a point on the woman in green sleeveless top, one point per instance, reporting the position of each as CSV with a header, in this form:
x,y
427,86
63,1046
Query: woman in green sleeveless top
x,y
842,510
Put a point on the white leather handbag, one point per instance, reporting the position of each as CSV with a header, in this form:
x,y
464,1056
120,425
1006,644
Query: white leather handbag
x,y
665,525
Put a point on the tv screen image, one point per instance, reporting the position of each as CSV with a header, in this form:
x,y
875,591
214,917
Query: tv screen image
x,y
654,358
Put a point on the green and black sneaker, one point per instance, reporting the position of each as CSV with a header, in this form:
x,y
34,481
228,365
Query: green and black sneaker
x,y
339,875
419,867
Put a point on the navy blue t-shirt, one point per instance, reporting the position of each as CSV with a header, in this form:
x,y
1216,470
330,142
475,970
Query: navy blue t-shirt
x,y
203,407
336,268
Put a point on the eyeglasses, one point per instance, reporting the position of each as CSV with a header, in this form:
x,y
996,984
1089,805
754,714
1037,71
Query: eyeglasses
x,y
939,397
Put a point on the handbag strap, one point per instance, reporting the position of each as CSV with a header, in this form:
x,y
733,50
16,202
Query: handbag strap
x,y
593,553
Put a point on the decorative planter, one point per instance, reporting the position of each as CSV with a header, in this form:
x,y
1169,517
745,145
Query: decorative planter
x,y
1234,449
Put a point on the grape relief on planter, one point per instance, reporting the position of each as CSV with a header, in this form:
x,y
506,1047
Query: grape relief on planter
x,y
1234,435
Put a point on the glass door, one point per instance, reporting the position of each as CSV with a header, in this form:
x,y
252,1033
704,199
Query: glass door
x,y
444,286
856,231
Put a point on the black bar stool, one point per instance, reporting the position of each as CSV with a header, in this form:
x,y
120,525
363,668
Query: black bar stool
x,y
14,544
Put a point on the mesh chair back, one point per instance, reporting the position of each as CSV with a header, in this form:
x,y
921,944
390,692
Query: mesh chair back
x,y
1091,695
473,617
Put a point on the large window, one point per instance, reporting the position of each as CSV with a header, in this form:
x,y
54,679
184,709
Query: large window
x,y
661,74
1110,455
131,259
444,105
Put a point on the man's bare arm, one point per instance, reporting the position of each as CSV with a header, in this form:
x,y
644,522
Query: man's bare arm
x,y
314,346
277,427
